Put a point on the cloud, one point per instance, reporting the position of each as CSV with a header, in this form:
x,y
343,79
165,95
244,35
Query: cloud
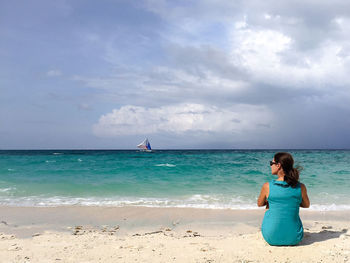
x,y
271,57
54,73
231,53
191,67
182,118
282,57
162,85
84,106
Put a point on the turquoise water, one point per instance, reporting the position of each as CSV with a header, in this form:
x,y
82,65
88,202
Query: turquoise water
x,y
181,178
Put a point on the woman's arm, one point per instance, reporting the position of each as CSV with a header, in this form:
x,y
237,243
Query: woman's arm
x,y
264,193
305,199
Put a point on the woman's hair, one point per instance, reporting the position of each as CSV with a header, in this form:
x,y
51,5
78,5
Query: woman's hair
x,y
291,173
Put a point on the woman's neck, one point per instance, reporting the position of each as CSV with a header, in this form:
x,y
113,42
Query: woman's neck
x,y
280,175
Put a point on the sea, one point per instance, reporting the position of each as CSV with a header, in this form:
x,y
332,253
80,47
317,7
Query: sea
x,y
215,179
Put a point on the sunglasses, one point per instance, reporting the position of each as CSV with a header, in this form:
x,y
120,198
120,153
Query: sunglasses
x,y
272,163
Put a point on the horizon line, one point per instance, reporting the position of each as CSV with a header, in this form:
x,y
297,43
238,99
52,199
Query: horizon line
x,y
169,149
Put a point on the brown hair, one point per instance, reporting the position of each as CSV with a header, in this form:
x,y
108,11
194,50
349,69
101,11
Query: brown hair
x,y
291,173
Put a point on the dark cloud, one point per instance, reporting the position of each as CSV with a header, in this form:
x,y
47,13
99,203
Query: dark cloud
x,y
201,60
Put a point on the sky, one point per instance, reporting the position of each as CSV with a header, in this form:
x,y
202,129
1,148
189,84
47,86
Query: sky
x,y
106,74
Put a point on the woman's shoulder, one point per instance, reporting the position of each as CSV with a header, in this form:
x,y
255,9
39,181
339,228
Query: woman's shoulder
x,y
302,186
266,185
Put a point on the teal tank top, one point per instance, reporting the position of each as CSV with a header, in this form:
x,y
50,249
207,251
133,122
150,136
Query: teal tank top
x,y
281,225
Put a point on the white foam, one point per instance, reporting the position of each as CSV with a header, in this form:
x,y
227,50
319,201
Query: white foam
x,y
5,190
329,207
50,161
9,169
80,160
194,201
57,153
166,165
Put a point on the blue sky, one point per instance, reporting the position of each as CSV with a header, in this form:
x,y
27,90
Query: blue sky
x,y
185,74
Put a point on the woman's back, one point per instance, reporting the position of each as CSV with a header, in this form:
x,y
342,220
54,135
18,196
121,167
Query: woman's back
x,y
282,224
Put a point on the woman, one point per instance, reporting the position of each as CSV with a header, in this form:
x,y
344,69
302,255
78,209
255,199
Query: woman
x,y
283,197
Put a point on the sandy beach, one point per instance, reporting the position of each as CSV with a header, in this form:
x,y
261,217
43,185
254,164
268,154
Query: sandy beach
x,y
139,234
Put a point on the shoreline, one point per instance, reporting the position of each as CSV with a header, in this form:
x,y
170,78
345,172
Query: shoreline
x,y
316,207
133,234
130,218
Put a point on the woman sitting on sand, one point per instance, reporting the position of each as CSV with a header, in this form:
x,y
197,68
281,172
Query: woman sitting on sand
x,y
283,197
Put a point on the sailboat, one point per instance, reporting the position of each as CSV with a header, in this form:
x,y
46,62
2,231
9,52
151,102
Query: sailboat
x,y
145,146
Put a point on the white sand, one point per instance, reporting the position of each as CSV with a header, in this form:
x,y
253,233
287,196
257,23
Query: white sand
x,y
162,235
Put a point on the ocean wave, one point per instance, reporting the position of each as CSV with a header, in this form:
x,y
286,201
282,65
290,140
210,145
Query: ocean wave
x,y
329,207
106,202
57,153
50,161
166,165
195,201
6,190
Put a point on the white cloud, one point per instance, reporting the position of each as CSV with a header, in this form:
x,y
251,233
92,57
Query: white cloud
x,y
270,57
267,16
259,51
181,118
54,73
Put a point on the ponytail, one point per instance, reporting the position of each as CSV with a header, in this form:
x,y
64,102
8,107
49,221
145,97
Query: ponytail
x,y
291,174
292,177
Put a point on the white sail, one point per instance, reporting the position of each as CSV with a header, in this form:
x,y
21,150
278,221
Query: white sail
x,y
145,145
